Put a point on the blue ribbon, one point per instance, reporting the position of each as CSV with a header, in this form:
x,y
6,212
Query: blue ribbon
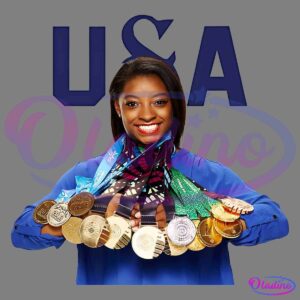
x,y
65,195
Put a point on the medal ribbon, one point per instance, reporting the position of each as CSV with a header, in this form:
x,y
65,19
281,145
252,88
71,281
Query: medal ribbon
x,y
158,188
111,157
65,195
190,200
129,178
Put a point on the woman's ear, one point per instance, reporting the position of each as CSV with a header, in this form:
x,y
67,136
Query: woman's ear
x,y
117,107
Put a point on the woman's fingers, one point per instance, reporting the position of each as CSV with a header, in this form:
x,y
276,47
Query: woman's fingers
x,y
136,214
134,229
136,217
135,224
135,209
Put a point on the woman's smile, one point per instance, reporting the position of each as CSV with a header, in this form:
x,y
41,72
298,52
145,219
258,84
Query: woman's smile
x,y
148,128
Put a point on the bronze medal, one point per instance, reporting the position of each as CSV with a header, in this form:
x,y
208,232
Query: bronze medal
x,y
181,231
229,230
41,211
81,203
148,242
120,232
221,214
94,231
237,205
207,233
71,230
196,244
58,214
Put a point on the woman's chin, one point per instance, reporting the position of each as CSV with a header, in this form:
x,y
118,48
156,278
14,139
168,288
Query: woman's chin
x,y
149,140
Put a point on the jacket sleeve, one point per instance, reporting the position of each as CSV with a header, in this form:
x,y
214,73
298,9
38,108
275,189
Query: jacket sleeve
x,y
267,221
26,233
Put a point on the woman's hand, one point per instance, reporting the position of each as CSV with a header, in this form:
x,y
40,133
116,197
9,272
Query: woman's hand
x,y
136,217
56,231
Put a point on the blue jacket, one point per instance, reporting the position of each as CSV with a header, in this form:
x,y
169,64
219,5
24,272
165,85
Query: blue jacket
x,y
208,266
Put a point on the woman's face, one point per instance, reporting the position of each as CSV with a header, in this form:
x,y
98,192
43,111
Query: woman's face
x,y
145,108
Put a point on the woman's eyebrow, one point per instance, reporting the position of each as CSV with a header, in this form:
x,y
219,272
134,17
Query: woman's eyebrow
x,y
153,96
161,94
130,96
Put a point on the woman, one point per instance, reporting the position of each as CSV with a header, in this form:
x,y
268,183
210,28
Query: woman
x,y
147,102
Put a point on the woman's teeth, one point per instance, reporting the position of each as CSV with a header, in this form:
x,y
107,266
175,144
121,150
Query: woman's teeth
x,y
148,128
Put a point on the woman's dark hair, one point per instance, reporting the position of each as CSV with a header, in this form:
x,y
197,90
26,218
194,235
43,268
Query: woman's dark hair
x,y
149,66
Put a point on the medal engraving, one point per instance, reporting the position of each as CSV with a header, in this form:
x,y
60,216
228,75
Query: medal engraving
x,y
80,204
71,230
237,205
221,214
120,232
58,214
41,211
228,230
207,234
94,231
181,231
148,242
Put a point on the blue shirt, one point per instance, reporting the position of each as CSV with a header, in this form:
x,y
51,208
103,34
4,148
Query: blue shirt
x,y
208,266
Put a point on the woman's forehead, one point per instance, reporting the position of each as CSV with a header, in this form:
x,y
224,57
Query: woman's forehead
x,y
142,83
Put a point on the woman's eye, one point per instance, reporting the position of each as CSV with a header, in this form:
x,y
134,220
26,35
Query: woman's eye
x,y
161,102
131,103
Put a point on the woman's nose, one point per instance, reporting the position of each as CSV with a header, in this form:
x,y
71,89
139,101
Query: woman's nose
x,y
147,113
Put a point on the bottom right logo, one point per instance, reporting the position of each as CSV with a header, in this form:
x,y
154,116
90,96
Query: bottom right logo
x,y
272,285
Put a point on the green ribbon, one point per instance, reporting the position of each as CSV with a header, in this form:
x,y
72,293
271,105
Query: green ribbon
x,y
189,199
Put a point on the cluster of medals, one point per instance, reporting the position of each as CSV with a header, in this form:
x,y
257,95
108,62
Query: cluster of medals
x,y
80,223
184,233
194,219
223,222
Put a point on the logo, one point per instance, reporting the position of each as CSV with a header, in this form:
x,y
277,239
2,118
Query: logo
x,y
272,285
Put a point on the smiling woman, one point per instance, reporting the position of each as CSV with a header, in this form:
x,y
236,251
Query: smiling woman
x,y
146,189
143,92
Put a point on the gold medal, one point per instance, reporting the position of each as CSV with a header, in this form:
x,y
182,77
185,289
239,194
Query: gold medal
x,y
172,249
148,242
207,233
81,203
237,205
71,230
58,214
120,232
196,244
181,231
94,231
229,230
221,214
41,211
